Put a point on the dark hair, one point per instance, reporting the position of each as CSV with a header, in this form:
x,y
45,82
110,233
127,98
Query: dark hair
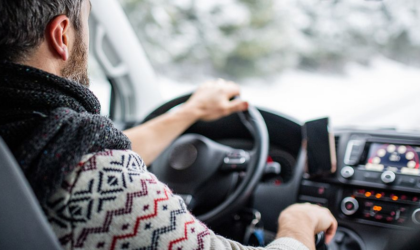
x,y
23,23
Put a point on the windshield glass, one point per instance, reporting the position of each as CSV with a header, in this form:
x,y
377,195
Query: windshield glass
x,y
355,61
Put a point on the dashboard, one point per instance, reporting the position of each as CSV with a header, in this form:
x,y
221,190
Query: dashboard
x,y
374,192
376,188
382,174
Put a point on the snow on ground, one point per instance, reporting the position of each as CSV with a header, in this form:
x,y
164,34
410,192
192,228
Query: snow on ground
x,y
385,94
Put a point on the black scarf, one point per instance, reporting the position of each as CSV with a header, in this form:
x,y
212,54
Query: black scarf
x,y
49,123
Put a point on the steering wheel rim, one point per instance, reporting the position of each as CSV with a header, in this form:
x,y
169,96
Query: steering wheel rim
x,y
255,123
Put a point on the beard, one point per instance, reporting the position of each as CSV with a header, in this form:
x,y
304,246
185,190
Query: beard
x,y
76,68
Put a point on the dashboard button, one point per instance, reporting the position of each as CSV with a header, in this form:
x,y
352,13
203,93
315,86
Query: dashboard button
x,y
314,200
347,172
379,217
388,177
416,216
349,206
408,181
368,204
371,176
315,189
389,218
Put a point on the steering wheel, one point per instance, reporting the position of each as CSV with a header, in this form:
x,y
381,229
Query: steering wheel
x,y
203,171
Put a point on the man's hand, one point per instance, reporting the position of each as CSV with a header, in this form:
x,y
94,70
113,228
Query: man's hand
x,y
212,100
303,221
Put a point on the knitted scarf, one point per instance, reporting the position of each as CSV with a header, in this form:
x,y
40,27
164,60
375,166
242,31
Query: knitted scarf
x,y
49,123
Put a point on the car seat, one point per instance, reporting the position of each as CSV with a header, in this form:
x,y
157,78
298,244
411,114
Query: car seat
x,y
22,223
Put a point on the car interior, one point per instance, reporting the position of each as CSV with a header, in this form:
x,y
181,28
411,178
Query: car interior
x,y
376,207
238,173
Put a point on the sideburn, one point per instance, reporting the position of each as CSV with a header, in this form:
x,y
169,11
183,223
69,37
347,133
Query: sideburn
x,y
77,65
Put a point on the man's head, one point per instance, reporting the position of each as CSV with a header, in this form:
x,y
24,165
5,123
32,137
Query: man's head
x,y
52,35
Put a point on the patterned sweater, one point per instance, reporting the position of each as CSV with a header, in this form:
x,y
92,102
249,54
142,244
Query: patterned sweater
x,y
111,201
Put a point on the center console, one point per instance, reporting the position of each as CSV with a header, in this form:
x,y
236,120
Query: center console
x,y
382,179
375,189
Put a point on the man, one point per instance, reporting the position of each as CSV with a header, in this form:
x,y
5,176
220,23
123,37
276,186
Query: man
x,y
95,191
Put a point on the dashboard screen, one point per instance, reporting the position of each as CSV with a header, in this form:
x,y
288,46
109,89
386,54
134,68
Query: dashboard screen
x,y
403,159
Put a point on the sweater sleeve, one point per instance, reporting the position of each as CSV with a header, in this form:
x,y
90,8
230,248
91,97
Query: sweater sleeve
x,y
111,201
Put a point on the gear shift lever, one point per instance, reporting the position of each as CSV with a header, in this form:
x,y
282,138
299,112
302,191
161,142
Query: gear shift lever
x,y
320,241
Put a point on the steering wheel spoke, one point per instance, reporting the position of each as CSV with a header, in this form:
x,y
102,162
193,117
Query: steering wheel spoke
x,y
188,200
236,160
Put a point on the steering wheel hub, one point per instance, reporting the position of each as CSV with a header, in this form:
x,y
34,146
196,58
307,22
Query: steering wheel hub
x,y
184,165
183,156
206,171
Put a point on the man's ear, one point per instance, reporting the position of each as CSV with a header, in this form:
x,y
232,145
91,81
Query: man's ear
x,y
58,36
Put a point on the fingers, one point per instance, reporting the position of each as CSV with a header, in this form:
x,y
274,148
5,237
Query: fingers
x,y
307,220
213,100
326,223
237,105
231,89
330,232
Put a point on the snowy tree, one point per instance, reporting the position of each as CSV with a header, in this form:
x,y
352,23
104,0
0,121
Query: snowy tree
x,y
243,38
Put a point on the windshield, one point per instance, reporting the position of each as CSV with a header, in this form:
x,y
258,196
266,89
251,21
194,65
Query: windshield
x,y
355,61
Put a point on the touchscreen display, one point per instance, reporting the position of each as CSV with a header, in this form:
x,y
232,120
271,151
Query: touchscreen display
x,y
402,159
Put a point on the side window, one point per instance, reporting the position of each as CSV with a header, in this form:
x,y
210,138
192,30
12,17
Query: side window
x,y
100,85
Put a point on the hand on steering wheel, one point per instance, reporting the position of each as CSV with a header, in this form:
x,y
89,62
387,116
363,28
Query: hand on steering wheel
x,y
195,166
213,100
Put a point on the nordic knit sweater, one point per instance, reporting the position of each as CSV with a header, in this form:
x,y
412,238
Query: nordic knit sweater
x,y
111,201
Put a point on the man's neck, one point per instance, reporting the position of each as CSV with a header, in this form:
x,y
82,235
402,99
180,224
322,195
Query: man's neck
x,y
43,59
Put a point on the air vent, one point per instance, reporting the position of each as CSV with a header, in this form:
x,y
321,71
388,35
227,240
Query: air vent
x,y
354,151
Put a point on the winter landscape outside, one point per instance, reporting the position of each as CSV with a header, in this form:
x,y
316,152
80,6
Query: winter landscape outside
x,y
356,61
